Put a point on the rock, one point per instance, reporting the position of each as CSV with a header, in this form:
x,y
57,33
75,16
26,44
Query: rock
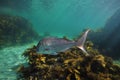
x,y
107,39
15,30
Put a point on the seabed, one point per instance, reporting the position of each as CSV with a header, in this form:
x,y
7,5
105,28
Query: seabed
x,y
69,65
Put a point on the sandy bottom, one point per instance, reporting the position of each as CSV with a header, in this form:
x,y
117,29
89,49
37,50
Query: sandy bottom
x,y
117,62
10,58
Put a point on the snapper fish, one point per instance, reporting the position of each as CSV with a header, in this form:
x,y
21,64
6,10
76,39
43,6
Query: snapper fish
x,y
53,45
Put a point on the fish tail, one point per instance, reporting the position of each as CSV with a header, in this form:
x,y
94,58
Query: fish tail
x,y
81,42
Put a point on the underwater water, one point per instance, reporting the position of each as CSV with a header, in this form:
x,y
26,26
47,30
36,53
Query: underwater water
x,y
56,18
64,17
70,17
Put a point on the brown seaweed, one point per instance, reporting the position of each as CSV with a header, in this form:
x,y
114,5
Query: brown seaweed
x,y
69,65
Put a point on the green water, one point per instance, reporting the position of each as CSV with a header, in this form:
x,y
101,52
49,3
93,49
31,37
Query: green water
x,y
58,18
67,17
70,17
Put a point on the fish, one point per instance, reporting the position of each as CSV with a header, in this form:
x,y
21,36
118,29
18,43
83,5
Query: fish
x,y
54,45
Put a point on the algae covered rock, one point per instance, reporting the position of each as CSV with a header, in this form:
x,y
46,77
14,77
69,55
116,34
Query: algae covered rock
x,y
69,65
108,38
15,30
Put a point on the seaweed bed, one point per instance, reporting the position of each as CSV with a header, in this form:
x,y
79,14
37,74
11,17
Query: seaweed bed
x,y
69,65
15,30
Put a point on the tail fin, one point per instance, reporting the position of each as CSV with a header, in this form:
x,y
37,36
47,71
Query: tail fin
x,y
81,41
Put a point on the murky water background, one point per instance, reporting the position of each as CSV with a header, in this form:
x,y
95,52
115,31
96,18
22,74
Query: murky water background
x,y
64,17
58,18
